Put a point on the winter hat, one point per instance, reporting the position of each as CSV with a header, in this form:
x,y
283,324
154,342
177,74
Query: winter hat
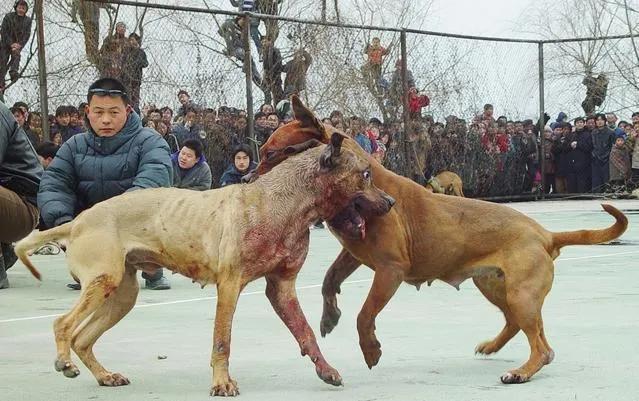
x,y
562,116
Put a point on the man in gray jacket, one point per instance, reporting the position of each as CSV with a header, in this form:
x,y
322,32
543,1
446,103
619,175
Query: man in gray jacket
x,y
20,173
116,155
190,169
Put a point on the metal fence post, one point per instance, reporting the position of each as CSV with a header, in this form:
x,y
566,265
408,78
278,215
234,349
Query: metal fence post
x,y
405,111
248,70
42,70
542,153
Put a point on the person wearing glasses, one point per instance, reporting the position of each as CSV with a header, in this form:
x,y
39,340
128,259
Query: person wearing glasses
x,y
115,155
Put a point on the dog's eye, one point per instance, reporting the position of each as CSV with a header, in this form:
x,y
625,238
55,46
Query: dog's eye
x,y
270,154
367,175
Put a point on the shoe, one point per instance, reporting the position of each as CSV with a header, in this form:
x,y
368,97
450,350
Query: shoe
x,y
4,283
10,257
74,286
48,249
161,283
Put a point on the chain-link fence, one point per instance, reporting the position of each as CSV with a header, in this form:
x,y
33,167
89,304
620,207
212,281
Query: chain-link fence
x,y
351,74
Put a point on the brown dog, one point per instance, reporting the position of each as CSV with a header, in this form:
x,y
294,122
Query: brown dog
x,y
447,183
508,255
234,235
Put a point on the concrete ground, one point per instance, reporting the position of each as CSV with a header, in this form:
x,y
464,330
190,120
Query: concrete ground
x,y
427,337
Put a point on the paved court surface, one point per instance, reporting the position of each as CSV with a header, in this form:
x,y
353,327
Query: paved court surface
x,y
428,337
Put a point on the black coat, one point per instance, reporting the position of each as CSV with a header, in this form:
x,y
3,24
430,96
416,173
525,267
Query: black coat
x,y
15,29
576,160
602,141
134,61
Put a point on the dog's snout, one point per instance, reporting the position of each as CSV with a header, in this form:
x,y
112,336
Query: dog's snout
x,y
389,199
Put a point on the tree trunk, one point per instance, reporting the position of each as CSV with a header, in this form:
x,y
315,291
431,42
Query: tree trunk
x,y
90,17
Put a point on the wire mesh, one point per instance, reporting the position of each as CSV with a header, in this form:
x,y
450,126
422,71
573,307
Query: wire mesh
x,y
350,75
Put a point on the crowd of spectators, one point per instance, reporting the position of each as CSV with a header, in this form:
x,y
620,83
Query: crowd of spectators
x,y
494,156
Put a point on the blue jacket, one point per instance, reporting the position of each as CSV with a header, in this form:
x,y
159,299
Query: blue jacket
x,y
233,176
365,142
89,169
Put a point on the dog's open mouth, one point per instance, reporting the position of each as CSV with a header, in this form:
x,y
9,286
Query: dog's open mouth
x,y
349,222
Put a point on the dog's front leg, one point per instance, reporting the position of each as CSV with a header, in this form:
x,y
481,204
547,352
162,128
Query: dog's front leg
x,y
227,294
385,283
344,266
281,293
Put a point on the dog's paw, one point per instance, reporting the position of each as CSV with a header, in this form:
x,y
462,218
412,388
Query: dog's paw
x,y
227,388
67,368
372,352
515,377
486,348
329,375
330,316
550,356
113,380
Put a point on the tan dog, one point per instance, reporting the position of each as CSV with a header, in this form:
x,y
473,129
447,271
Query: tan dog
x,y
232,236
507,254
447,183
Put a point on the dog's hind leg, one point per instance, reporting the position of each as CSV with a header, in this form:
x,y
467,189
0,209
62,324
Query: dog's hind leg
x,y
386,281
280,291
494,289
100,274
227,293
526,289
93,296
549,350
342,267
107,315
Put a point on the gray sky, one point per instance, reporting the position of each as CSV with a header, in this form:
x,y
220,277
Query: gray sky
x,y
478,17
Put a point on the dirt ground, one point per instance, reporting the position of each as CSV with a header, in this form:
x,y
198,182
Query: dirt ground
x,y
428,337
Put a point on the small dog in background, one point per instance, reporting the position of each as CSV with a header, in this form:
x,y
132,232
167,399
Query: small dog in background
x,y
447,183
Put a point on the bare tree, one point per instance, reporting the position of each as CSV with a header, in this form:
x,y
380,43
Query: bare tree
x,y
613,61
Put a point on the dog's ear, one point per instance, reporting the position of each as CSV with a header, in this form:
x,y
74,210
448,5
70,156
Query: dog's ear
x,y
301,147
306,117
328,158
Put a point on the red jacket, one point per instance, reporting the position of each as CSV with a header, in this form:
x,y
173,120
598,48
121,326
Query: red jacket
x,y
416,102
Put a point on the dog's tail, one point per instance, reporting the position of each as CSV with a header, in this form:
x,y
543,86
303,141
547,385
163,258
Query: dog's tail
x,y
588,237
35,240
